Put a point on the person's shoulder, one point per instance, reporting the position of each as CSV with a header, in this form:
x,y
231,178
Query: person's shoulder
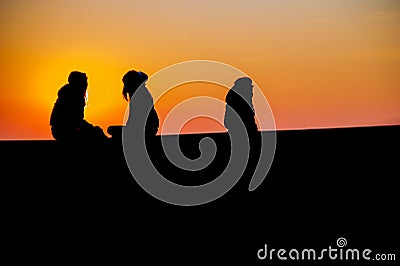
x,y
63,91
229,94
145,92
233,96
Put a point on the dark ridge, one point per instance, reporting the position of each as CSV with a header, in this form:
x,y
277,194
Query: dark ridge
x,y
81,203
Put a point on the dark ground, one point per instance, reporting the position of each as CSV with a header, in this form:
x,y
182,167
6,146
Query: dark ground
x,y
81,204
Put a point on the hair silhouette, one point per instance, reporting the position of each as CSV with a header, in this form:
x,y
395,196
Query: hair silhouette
x,y
67,117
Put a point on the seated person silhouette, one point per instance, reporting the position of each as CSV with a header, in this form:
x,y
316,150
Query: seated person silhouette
x,y
140,102
240,100
67,117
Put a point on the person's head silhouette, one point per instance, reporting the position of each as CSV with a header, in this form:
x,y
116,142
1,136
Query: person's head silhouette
x,y
244,87
78,80
132,80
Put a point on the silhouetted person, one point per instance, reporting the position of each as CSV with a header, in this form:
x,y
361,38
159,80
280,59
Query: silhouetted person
x,y
140,103
240,100
134,86
67,118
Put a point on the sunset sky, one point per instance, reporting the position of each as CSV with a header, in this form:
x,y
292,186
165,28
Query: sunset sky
x,y
320,63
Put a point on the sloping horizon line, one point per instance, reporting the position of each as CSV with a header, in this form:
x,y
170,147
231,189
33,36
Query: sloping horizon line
x,y
224,132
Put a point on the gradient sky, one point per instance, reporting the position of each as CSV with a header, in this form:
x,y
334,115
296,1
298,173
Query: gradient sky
x,y
320,63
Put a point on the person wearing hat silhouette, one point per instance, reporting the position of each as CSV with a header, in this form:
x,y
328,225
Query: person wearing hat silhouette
x,y
67,117
239,100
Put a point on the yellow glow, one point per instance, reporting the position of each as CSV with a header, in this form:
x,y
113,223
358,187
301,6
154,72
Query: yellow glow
x,y
320,63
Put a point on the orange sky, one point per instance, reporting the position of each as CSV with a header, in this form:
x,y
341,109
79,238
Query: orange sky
x,y
320,63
